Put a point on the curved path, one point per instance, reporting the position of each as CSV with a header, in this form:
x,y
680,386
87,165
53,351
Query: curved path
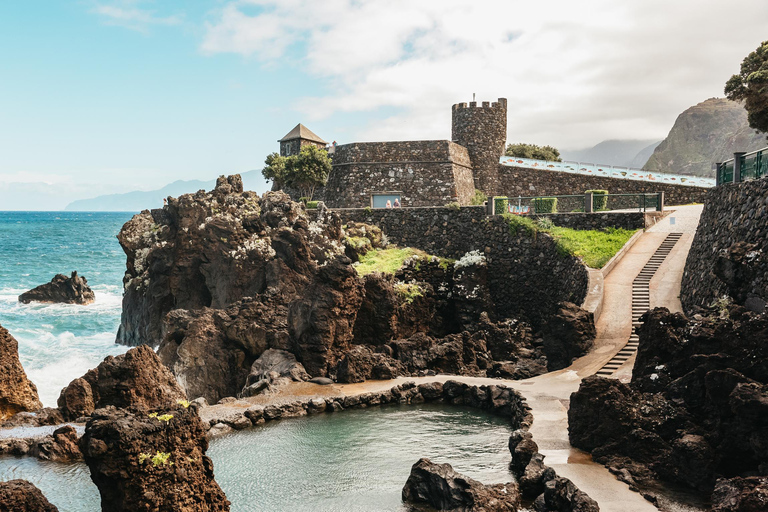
x,y
549,395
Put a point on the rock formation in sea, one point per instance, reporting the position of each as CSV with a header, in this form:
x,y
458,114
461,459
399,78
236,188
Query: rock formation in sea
x,y
151,460
22,496
697,407
439,486
216,279
17,393
134,379
61,289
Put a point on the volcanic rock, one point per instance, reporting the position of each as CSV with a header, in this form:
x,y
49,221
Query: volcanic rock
x,y
561,495
61,289
17,393
22,496
741,494
273,369
439,486
134,379
569,334
60,447
151,461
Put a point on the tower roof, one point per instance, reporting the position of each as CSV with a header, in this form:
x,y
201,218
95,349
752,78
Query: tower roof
x,y
302,132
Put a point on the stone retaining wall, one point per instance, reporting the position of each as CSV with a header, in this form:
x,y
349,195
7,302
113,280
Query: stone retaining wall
x,y
589,221
527,274
518,181
733,212
498,399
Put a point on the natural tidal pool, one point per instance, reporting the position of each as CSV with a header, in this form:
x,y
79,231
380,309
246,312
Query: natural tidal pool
x,y
354,460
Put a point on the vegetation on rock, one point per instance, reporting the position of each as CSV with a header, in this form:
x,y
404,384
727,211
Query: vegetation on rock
x,y
390,260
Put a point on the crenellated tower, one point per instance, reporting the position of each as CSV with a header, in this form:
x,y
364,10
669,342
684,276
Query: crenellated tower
x,y
483,131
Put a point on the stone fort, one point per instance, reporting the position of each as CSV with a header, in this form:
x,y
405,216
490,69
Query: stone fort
x,y
422,173
436,172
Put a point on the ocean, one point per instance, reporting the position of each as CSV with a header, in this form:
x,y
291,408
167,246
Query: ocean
x,y
60,342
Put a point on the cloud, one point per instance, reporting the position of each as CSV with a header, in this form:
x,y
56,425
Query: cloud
x,y
128,14
575,73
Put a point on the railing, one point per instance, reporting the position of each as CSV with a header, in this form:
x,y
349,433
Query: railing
x,y
743,167
590,203
607,171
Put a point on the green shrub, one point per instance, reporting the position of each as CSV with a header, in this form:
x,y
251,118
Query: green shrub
x,y
479,198
312,204
453,206
408,292
544,224
600,200
518,222
303,200
501,205
545,205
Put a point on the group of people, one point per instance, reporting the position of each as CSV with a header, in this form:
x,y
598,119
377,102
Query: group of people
x,y
395,205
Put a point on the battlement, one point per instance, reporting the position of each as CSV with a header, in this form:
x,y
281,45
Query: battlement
x,y
500,104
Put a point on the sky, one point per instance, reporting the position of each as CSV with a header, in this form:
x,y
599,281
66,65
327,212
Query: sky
x,y
105,96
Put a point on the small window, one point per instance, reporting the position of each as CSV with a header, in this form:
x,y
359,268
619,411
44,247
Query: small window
x,y
380,200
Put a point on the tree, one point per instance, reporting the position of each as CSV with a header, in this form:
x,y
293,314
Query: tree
x,y
275,169
522,150
751,87
308,170
305,171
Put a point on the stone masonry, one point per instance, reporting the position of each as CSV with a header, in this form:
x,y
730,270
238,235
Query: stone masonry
x,y
483,131
733,213
425,173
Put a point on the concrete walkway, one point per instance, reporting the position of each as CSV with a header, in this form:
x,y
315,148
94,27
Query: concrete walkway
x,y
549,395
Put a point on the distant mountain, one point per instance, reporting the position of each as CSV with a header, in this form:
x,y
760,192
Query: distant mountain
x,y
704,134
138,200
619,153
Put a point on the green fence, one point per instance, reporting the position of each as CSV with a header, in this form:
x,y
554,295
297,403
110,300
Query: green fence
x,y
750,166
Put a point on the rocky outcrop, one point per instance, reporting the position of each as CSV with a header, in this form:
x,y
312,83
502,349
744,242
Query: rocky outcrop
x,y
22,496
155,460
17,393
134,379
217,279
439,486
61,289
61,446
695,410
273,369
741,494
569,334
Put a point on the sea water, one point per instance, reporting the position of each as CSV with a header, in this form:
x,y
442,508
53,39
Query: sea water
x,y
350,461
60,342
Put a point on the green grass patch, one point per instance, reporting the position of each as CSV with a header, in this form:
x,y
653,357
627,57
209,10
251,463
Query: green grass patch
x,y
391,259
408,292
594,247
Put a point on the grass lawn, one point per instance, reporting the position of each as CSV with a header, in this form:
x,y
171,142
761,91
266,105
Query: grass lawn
x,y
389,261
595,248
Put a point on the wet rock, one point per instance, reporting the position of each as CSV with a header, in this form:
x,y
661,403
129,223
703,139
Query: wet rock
x,y
522,447
274,368
569,334
17,392
60,447
741,494
439,486
22,496
61,289
157,462
134,379
560,495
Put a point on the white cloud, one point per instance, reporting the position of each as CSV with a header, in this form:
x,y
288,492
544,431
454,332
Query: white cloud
x,y
128,14
575,73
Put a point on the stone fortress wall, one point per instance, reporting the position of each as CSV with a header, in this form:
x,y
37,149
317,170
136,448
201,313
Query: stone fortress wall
x,y
526,273
733,212
425,173
518,181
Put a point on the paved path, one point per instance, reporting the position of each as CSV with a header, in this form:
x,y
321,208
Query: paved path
x,y
548,395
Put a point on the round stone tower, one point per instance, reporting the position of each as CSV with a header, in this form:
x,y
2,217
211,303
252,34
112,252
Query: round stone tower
x,y
483,131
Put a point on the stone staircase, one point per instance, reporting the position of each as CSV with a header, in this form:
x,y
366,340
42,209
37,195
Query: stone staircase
x,y
640,302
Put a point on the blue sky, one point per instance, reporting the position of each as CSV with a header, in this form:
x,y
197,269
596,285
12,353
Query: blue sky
x,y
101,96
